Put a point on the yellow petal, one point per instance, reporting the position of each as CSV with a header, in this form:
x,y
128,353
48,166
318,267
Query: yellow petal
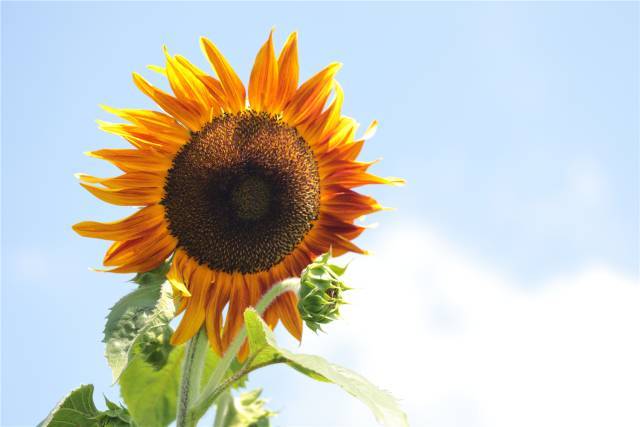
x,y
233,87
182,110
187,87
371,130
213,86
157,69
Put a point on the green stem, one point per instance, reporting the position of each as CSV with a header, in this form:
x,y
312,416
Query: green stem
x,y
213,388
192,368
220,390
222,408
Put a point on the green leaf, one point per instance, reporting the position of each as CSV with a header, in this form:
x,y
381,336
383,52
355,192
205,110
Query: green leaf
x,y
246,410
263,348
155,277
115,415
151,394
77,410
262,342
144,313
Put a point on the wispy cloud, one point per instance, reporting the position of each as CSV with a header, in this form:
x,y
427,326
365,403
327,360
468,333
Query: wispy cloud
x,y
462,344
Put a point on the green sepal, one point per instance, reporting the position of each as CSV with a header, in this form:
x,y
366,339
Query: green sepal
x,y
115,415
263,349
156,277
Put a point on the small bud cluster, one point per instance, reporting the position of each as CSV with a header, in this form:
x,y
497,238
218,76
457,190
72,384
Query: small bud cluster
x,y
320,295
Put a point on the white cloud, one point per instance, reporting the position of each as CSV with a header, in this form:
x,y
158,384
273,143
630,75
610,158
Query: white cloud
x,y
462,345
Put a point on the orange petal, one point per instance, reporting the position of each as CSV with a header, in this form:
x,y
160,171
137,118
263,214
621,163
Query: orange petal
x,y
143,138
213,86
238,302
233,87
194,316
152,120
219,298
323,128
157,254
124,251
288,70
341,245
128,228
263,83
342,133
287,307
134,160
186,112
175,276
355,179
311,97
188,87
128,180
149,263
127,196
350,205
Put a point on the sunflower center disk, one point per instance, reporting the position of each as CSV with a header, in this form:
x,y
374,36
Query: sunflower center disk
x,y
242,193
250,199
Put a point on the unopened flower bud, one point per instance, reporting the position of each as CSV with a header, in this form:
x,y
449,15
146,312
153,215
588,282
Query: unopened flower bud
x,y
320,295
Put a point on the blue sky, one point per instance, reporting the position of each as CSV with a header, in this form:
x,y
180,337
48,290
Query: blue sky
x,y
515,125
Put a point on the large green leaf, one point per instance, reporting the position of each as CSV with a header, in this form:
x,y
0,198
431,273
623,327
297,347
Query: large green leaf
x,y
263,348
246,410
76,409
139,317
150,393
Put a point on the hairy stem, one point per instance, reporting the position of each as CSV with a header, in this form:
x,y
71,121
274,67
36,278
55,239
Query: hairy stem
x,y
192,368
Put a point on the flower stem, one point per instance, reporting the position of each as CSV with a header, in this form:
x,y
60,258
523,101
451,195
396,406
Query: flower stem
x,y
215,385
192,368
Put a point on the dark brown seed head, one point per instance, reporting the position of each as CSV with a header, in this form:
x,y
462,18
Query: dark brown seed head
x,y
242,193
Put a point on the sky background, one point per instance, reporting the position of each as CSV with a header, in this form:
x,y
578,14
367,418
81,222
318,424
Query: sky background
x,y
503,291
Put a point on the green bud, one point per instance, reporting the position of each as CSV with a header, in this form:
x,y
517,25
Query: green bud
x,y
320,295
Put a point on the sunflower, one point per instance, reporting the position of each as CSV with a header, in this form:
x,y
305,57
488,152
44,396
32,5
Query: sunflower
x,y
239,190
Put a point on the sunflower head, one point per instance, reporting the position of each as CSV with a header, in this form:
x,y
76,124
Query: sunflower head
x,y
240,189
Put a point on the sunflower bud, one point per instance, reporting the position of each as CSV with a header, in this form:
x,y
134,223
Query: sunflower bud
x,y
320,295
